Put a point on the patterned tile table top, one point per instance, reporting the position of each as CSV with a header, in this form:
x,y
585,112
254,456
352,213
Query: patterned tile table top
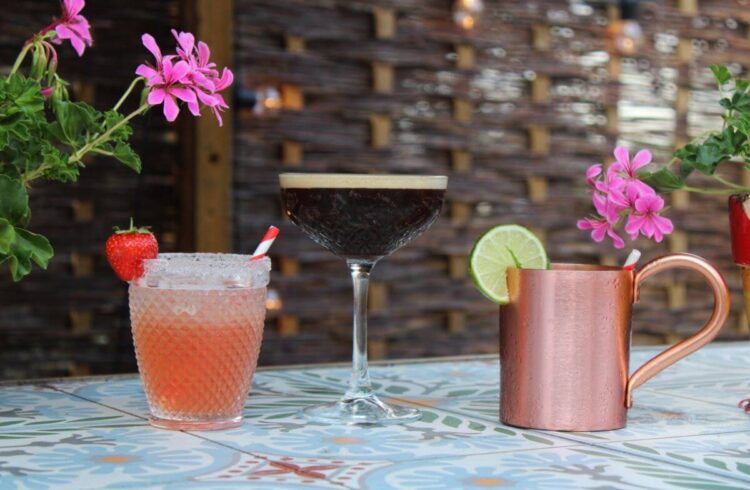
x,y
685,431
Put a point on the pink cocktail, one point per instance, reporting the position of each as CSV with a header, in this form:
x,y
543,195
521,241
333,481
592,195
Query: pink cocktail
x,y
197,324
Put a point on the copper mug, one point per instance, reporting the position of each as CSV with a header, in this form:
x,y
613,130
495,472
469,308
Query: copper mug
x,y
565,342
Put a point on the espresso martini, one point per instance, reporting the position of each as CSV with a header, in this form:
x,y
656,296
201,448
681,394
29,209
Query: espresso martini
x,y
362,218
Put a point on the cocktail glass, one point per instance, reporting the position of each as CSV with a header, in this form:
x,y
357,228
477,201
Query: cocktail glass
x,y
362,218
197,324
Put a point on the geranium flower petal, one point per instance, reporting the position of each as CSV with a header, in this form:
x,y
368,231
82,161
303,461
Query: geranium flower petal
x,y
617,241
171,110
584,224
598,233
150,43
179,71
664,225
156,96
623,157
194,108
184,94
71,8
145,71
641,159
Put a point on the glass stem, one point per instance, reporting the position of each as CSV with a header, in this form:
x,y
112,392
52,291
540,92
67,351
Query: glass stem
x,y
359,384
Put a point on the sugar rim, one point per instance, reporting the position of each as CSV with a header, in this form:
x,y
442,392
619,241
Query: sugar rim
x,y
207,259
362,181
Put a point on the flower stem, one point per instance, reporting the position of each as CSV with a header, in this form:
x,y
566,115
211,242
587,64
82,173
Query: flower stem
x,y
729,184
127,93
717,192
79,154
20,58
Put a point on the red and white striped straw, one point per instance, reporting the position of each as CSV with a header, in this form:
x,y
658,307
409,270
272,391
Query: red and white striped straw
x,y
266,243
632,259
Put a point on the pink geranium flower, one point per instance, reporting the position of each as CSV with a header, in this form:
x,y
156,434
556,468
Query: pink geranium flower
x,y
627,169
73,26
599,228
647,221
618,193
168,85
196,82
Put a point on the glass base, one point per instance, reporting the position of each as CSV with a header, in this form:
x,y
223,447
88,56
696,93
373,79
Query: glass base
x,y
367,410
195,424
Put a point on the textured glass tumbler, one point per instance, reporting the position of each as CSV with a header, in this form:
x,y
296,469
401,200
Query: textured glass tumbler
x,y
197,323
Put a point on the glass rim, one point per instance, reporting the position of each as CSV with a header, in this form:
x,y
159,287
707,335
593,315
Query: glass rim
x,y
309,180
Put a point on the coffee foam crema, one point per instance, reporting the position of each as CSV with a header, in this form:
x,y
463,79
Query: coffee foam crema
x,y
362,181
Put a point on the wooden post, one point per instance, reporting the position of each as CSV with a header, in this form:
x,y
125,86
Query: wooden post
x,y
680,199
211,145
461,163
539,136
385,22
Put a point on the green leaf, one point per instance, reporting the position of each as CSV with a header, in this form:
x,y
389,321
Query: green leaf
x,y
7,236
126,155
75,120
721,73
37,246
122,133
14,200
19,264
663,180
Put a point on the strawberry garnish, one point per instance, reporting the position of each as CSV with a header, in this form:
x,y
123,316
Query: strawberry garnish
x,y
126,250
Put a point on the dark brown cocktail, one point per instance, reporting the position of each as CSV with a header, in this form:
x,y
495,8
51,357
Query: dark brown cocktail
x,y
362,218
362,223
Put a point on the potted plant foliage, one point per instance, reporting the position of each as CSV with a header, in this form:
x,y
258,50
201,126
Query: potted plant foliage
x,y
44,135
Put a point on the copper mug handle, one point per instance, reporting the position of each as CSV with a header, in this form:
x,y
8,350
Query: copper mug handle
x,y
697,340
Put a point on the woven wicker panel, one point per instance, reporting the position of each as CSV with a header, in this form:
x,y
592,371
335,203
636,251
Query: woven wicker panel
x,y
513,111
73,318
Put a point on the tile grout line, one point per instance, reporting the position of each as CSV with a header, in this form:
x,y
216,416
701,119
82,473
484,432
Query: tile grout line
x,y
661,459
685,397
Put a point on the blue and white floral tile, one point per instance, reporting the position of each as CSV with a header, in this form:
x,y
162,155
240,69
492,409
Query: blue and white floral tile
x,y
280,433
577,467
726,390
94,458
653,415
30,411
440,378
723,454
657,415
124,393
286,472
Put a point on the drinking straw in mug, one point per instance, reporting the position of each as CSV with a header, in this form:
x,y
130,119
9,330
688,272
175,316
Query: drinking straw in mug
x,y
266,243
632,259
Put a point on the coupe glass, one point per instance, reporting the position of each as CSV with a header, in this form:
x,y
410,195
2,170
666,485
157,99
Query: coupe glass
x,y
362,218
